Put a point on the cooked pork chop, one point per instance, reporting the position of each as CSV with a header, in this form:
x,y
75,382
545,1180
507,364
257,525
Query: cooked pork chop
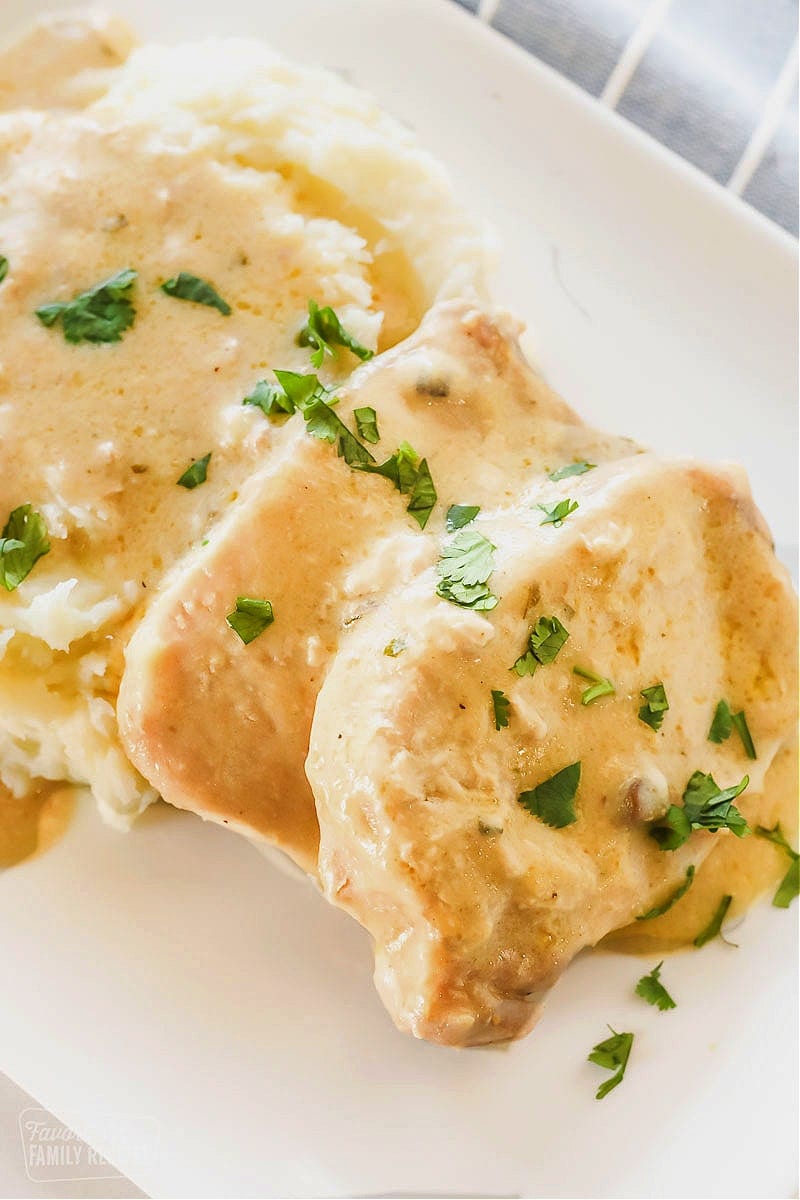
x,y
664,574
222,728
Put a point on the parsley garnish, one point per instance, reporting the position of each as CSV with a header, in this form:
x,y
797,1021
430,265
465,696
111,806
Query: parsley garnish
x,y
464,569
500,705
651,989
578,468
654,707
677,895
715,924
552,800
600,685
188,287
789,887
22,543
3,267
394,647
323,330
411,476
613,1054
459,515
705,806
367,425
196,473
250,618
489,830
557,515
101,314
723,724
273,401
544,641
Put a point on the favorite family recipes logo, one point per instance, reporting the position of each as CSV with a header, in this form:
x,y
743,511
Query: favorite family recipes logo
x,y
53,1152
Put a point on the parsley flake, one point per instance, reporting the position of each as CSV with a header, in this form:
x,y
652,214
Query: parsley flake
x,y
557,515
411,476
677,895
789,887
323,330
101,314
185,286
271,399
553,800
544,644
22,543
367,425
654,707
577,468
459,515
723,724
196,473
500,706
705,806
464,569
651,989
600,686
250,618
714,926
613,1055
3,267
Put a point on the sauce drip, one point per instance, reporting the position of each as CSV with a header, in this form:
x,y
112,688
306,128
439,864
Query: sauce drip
x,y
31,824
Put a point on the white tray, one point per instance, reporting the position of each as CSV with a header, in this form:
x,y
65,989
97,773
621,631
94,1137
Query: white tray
x,y
209,1024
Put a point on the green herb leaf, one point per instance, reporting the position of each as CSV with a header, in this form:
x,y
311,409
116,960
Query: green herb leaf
x,y
526,664
715,924
677,895
613,1055
544,641
367,425
422,500
789,886
558,513
271,399
196,473
651,989
3,267
459,515
489,830
654,707
250,617
705,806
394,647
464,569
101,314
722,723
411,476
500,704
323,330
577,468
600,685
22,543
740,725
185,286
552,800
300,390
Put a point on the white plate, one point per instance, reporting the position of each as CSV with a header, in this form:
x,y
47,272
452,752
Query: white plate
x,y
209,1024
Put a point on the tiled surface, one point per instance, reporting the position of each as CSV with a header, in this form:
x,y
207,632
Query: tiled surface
x,y
698,75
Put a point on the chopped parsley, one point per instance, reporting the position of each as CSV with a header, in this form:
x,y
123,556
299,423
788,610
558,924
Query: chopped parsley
x,y
323,330
577,468
651,989
185,286
705,806
714,926
394,647
500,706
464,569
250,618
544,644
557,515
789,887
101,314
22,543
613,1055
411,476
553,800
677,895
489,830
196,473
367,425
3,267
654,707
600,685
271,399
459,515
723,724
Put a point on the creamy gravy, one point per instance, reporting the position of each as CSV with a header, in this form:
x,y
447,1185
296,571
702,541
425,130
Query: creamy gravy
x,y
33,823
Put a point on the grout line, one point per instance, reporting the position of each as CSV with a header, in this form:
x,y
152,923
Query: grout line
x,y
487,9
762,135
634,52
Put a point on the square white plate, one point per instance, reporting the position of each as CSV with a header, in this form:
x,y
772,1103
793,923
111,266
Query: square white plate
x,y
210,1025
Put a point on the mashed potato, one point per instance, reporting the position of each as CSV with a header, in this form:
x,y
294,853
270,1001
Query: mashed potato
x,y
274,183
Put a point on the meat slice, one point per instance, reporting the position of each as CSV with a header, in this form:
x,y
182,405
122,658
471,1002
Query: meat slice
x,y
665,573
222,728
